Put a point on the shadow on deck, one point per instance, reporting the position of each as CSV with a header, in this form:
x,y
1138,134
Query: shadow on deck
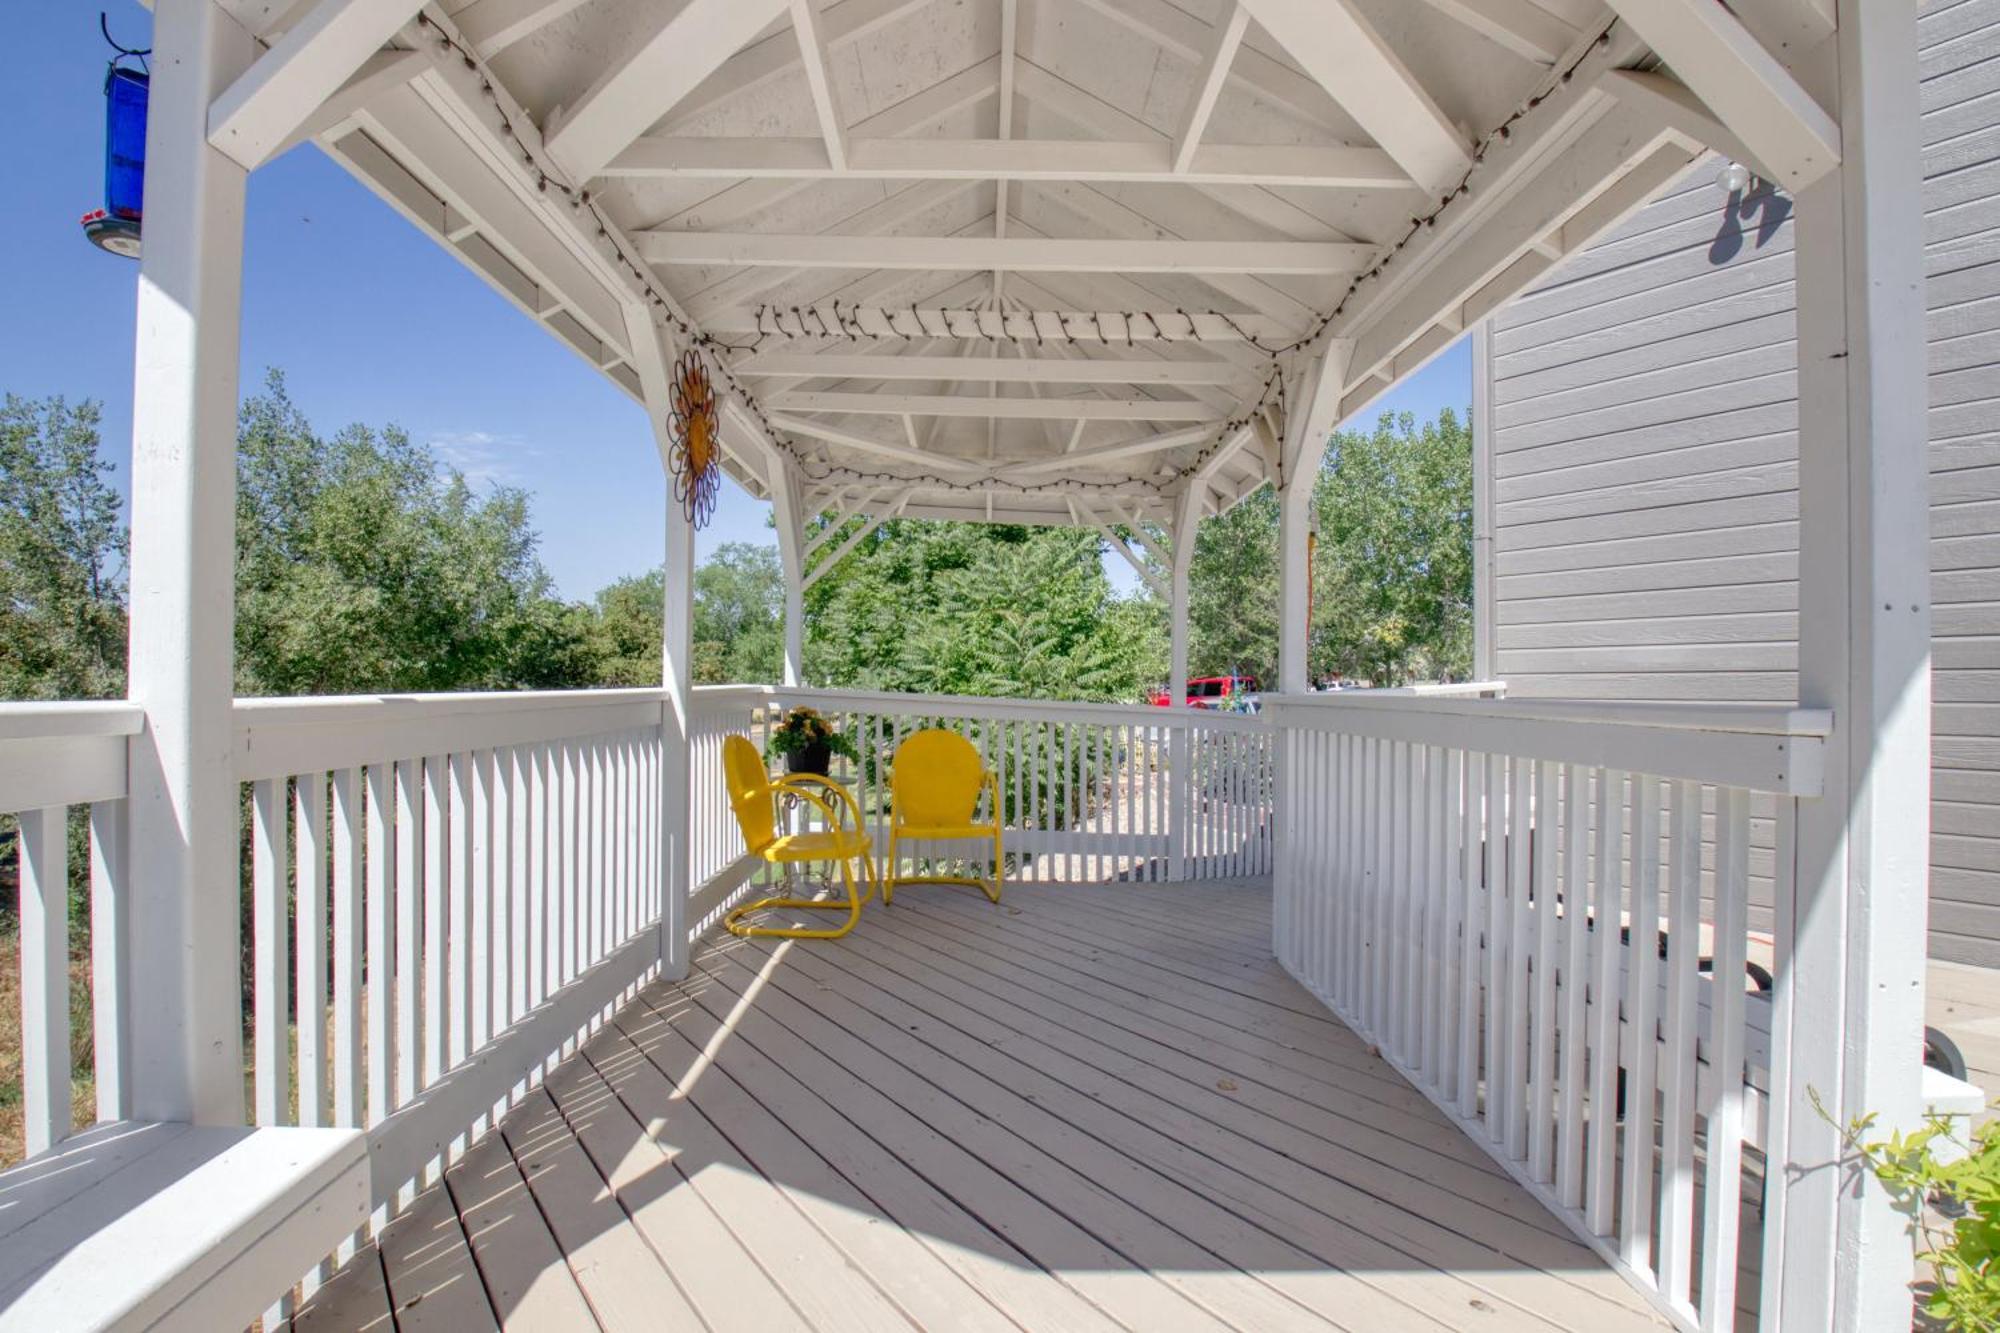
x,y
1092,1107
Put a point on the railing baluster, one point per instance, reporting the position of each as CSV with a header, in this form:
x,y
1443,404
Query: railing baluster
x,y
1576,939
345,837
270,964
409,925
1723,1104
111,957
309,877
1542,1038
1607,964
44,924
1471,877
1642,1028
1677,1082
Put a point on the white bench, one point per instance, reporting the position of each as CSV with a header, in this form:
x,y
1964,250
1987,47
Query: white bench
x,y
172,1226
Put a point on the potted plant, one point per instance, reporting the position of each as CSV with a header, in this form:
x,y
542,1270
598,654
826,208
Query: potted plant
x,y
808,742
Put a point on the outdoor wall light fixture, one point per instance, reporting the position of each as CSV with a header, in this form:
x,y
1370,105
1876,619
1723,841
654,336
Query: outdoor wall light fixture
x,y
1734,178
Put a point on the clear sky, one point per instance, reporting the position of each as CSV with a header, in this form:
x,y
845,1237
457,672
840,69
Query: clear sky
x,y
368,319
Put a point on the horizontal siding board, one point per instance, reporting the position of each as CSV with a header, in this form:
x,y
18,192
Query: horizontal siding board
x,y
1645,464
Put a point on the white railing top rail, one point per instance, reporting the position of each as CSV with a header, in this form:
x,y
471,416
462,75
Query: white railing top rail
x,y
980,706
64,753
1771,748
279,737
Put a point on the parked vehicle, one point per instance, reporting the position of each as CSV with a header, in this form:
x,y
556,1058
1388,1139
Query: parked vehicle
x,y
1211,692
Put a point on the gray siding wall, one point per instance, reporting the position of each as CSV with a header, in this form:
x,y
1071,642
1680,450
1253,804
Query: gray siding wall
x,y
1643,420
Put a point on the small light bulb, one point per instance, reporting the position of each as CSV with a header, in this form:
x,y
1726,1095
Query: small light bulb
x,y
1734,178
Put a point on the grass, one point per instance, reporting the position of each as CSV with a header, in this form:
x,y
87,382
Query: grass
x,y
83,1098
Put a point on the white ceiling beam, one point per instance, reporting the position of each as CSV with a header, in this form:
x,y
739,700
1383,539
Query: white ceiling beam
x,y
1307,166
1674,104
898,210
1224,452
875,521
1601,175
1337,46
1746,86
819,430
1187,37
1109,216
1004,129
269,101
1024,409
916,113
1035,254
812,54
495,25
1107,453
659,67
1520,26
1098,119
380,73
776,56
1224,39
1116,328
991,369
1154,583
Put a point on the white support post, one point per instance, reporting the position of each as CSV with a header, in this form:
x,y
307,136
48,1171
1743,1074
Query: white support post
x,y
652,356
1849,1003
186,1006
1314,412
1485,611
787,510
1180,792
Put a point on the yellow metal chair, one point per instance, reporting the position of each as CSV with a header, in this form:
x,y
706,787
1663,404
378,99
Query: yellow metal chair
x,y
935,781
753,796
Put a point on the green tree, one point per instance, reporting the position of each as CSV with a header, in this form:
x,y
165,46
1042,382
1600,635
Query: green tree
x,y
1393,578
62,556
963,608
739,616
1233,592
361,566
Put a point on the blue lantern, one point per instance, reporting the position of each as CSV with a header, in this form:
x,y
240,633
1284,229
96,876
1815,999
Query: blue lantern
x,y
115,227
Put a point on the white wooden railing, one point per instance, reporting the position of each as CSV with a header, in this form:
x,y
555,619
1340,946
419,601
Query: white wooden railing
x,y
1092,791
59,763
1447,874
444,893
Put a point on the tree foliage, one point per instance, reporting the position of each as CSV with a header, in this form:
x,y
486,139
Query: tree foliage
x,y
62,556
361,566
1392,577
961,608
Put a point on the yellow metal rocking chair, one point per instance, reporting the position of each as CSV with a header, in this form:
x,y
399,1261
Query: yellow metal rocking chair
x,y
753,796
935,782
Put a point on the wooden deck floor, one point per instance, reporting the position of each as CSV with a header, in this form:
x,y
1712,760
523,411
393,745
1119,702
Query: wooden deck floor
x,y
1092,1107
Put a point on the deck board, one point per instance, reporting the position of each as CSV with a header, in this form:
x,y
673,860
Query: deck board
x,y
1091,1107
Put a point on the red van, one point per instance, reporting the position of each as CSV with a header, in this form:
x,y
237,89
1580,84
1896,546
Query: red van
x,y
1208,691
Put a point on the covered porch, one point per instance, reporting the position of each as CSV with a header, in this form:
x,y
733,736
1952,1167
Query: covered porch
x,y
1096,1106
1353,1012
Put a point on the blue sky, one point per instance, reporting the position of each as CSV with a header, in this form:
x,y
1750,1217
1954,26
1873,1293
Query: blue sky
x,y
368,319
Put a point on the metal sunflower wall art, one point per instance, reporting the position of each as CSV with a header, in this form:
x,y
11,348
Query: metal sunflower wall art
x,y
697,442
